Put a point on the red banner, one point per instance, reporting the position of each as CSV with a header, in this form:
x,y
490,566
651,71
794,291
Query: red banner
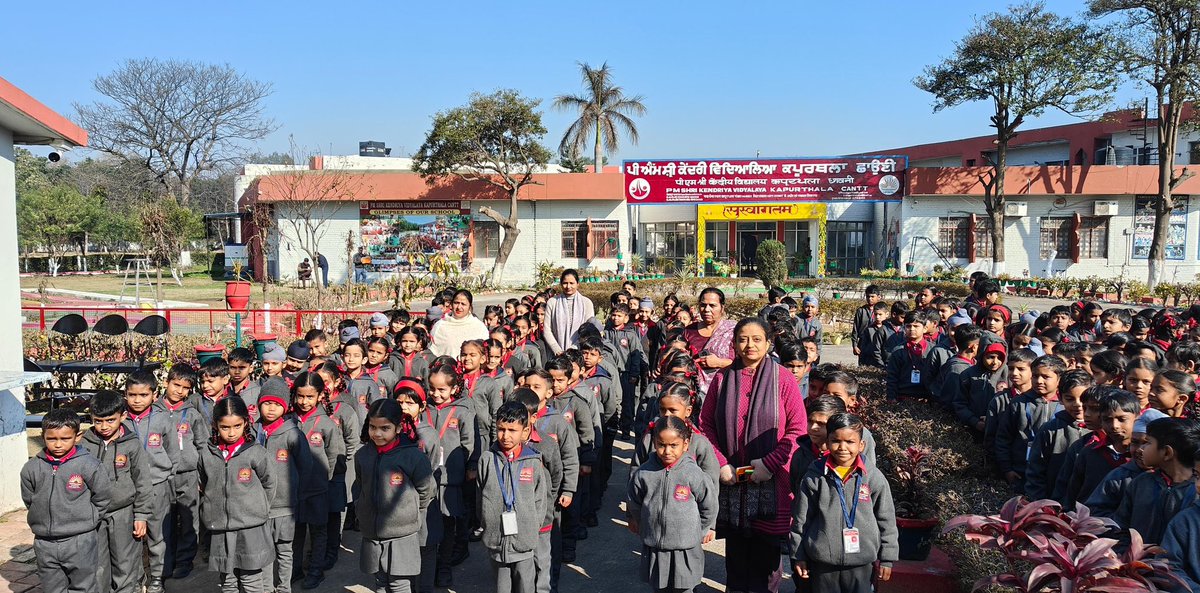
x,y
766,180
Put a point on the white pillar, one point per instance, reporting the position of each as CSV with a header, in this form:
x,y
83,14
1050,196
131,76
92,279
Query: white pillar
x,y
13,448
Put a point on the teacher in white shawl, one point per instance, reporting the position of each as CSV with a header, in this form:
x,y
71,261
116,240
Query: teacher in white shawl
x,y
565,313
461,325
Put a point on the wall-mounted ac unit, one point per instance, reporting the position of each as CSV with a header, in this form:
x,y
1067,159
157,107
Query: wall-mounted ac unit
x,y
1104,208
1016,209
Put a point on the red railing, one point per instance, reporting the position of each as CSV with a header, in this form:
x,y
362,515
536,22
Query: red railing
x,y
199,321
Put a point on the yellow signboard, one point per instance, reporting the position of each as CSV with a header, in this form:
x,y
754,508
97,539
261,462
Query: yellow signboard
x,y
761,212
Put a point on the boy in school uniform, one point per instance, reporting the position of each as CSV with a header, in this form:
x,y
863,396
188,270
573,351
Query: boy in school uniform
x,y
949,380
912,368
979,384
865,317
67,494
241,367
1049,447
298,353
214,386
808,322
154,430
514,495
1155,497
1119,410
1091,422
609,400
869,341
274,359
626,341
843,517
1020,382
1107,496
190,436
575,408
116,446
1024,417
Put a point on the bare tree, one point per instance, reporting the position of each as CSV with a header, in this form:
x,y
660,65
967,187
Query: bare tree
x,y
178,119
262,239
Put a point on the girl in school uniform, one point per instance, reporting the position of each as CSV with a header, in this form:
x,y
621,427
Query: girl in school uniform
x,y
511,361
378,351
672,507
494,367
453,419
408,359
679,400
325,438
393,489
410,394
360,387
236,489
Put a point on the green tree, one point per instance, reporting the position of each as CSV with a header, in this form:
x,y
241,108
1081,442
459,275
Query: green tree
x,y
1025,61
1163,52
769,257
55,218
604,112
496,139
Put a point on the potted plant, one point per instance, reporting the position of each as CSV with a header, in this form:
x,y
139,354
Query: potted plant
x,y
261,342
237,291
916,510
1139,292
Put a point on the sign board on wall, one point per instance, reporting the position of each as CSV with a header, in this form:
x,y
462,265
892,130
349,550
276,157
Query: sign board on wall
x,y
408,236
876,178
1143,228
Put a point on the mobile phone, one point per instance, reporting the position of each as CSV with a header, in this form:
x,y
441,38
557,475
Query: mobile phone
x,y
743,474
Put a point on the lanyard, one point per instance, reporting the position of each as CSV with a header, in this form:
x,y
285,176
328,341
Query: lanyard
x,y
137,422
850,515
182,422
509,495
446,423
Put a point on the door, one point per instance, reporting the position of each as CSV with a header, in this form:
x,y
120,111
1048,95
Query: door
x,y
797,240
750,235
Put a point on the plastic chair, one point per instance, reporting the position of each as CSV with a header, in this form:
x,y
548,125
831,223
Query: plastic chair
x,y
153,328
71,324
109,326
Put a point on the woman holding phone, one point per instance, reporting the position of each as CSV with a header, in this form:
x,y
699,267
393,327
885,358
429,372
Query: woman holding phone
x,y
753,415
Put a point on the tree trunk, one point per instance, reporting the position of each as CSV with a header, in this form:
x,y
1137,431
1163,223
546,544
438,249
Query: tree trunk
x,y
996,214
598,166
1168,126
158,285
511,232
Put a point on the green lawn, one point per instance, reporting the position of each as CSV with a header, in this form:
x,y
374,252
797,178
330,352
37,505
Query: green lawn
x,y
197,287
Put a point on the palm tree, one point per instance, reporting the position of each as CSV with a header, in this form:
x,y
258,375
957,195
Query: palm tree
x,y
602,111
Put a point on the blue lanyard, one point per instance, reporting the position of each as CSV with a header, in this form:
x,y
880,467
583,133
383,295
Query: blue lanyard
x,y
138,425
853,512
182,420
509,495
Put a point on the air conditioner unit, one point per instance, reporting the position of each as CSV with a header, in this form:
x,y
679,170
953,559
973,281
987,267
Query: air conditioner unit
x,y
1016,209
1104,208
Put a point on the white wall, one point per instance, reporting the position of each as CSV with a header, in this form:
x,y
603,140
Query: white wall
x,y
540,238
1022,235
1036,154
13,448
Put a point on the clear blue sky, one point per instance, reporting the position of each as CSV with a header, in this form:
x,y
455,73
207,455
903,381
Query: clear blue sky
x,y
720,79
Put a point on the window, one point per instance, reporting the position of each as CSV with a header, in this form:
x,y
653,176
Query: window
x,y
1194,153
716,239
668,243
594,240
983,237
847,247
1055,237
1093,237
487,238
952,236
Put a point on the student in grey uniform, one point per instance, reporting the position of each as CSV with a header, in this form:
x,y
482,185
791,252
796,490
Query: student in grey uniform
x,y
494,366
672,505
155,430
1018,426
237,486
377,368
1155,497
324,437
393,489
679,400
189,438
407,359
67,494
1049,447
511,361
514,496
291,460
241,367
411,396
453,417
112,441
360,386
574,401
843,519
525,346
1107,496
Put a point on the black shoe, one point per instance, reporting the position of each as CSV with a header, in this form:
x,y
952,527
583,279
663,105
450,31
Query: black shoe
x,y
154,585
444,578
591,521
330,562
182,572
460,556
580,533
313,580
297,575
568,555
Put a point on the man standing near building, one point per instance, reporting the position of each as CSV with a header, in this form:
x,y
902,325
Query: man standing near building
x,y
323,265
361,261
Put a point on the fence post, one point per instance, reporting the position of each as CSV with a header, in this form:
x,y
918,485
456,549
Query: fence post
x,y
42,318
299,325
167,315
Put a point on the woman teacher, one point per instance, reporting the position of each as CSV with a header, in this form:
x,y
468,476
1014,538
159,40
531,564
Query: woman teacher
x,y
461,325
565,313
711,336
753,415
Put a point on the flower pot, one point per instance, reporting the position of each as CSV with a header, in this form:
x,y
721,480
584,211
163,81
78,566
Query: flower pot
x,y
261,343
1149,300
916,537
837,295
207,352
237,295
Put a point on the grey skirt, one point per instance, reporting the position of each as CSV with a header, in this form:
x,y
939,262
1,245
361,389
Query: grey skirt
x,y
283,529
399,557
672,569
252,548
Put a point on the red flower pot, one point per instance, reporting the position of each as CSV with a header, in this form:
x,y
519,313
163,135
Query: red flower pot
x,y
237,295
205,352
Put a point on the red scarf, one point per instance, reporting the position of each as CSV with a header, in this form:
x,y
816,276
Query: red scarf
x,y
272,427
916,350
227,451
470,380
388,447
309,414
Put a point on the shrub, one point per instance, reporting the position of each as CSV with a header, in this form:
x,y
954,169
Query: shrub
x,y
772,268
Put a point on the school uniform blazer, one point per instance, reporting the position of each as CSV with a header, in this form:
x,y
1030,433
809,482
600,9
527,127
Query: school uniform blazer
x,y
298,475
531,496
561,434
1018,427
1151,501
154,431
124,462
235,494
1046,454
818,521
675,506
393,490
64,498
415,366
324,436
1107,496
1181,541
458,434
576,409
190,436
978,387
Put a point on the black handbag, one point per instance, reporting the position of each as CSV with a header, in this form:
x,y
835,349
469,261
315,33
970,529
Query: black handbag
x,y
742,503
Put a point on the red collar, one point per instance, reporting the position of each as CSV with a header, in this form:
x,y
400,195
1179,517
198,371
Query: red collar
x,y
917,349
174,408
272,427
443,405
139,417
309,414
965,359
388,447
511,456
619,327
859,466
245,384
588,374
227,451
61,460
541,412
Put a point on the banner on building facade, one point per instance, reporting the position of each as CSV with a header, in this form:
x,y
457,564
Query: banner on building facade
x,y
874,178
1143,228
414,236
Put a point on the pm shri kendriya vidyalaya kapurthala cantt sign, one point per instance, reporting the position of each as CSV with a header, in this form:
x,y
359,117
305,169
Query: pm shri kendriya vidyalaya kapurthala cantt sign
x,y
765,180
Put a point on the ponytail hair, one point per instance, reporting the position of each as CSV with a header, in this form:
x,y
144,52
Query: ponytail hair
x,y
389,410
231,406
312,379
447,367
665,423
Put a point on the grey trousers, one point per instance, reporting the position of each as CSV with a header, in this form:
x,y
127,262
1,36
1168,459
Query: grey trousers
x,y
119,556
386,583
183,521
68,564
242,581
280,579
156,542
515,577
847,579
